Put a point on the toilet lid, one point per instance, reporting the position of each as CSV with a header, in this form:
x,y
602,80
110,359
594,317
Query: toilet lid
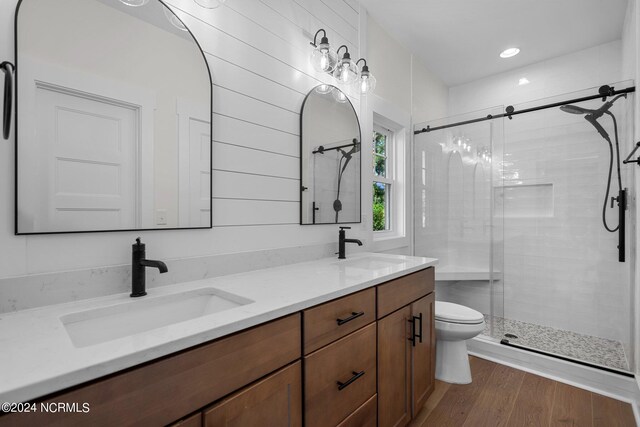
x,y
456,313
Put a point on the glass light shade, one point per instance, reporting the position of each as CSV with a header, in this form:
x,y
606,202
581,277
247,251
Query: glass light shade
x,y
173,19
324,89
346,72
366,83
210,4
339,96
134,3
323,59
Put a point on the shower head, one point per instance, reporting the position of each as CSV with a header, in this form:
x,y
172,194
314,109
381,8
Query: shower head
x,y
574,109
596,114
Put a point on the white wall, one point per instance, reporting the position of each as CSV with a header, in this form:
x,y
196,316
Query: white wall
x,y
258,53
407,92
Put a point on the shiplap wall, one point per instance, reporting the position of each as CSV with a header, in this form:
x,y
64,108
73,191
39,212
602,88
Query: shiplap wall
x,y
258,53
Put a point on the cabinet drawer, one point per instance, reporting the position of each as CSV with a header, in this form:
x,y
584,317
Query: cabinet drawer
x,y
273,401
163,391
365,416
340,377
328,322
404,290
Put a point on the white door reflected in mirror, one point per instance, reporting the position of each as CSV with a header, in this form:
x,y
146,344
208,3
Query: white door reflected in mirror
x,y
113,120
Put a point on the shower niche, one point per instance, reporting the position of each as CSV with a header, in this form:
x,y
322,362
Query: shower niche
x,y
330,159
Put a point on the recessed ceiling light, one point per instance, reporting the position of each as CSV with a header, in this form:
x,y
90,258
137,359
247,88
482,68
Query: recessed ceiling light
x,y
523,81
508,53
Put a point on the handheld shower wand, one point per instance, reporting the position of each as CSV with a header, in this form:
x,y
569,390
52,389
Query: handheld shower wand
x,y
592,117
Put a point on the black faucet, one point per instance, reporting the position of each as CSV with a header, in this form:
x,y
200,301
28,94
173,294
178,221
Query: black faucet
x,y
138,265
342,240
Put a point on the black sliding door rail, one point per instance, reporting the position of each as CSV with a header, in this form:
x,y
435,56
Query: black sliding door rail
x,y
510,111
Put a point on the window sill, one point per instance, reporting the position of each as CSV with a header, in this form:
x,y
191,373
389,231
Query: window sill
x,y
385,241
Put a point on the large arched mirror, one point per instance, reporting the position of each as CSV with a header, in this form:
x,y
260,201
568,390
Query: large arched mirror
x,y
113,118
329,158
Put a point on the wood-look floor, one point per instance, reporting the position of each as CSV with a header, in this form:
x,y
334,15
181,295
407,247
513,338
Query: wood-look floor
x,y
504,396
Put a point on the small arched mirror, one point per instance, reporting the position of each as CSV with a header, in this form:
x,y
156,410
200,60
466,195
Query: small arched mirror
x,y
113,118
330,158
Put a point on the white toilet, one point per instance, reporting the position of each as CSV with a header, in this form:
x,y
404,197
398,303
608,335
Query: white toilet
x,y
455,324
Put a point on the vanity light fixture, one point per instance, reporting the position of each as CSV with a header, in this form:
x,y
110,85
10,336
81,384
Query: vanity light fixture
x,y
510,52
346,71
173,19
341,67
134,3
367,82
210,4
323,58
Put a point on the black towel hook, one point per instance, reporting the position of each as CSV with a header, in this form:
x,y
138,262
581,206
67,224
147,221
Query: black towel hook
x,y
8,69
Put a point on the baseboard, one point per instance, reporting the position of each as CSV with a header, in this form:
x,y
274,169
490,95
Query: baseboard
x,y
616,386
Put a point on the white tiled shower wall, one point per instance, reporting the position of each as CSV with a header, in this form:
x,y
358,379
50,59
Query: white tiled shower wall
x,y
560,270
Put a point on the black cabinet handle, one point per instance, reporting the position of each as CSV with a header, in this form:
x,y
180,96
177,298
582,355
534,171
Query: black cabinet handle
x,y
355,376
413,331
420,319
354,315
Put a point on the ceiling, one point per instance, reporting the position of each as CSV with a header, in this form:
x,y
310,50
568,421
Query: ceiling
x,y
460,40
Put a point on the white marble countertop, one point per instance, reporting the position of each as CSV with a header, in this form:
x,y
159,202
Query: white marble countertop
x,y
38,356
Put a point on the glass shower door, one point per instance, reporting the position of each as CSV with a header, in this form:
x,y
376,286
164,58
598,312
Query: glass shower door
x,y
454,216
565,292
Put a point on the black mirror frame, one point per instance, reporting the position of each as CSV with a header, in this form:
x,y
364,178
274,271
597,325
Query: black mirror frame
x,y
302,186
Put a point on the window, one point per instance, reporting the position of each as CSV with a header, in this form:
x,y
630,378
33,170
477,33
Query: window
x,y
383,182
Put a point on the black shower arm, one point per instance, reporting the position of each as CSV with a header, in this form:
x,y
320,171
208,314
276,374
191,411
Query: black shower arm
x,y
8,68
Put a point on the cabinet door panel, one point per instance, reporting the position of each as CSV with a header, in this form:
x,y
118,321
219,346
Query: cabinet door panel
x,y
394,405
274,401
423,354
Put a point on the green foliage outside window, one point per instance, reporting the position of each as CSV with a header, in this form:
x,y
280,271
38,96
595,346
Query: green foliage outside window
x,y
379,206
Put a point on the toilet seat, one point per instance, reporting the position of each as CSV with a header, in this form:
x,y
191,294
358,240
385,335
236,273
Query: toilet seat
x,y
456,313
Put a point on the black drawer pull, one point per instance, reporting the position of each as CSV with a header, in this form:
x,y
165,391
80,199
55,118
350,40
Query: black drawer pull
x,y
415,334
354,315
355,376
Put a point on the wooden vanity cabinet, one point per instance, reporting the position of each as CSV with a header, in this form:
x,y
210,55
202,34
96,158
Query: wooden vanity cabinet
x,y
274,401
168,389
365,359
406,347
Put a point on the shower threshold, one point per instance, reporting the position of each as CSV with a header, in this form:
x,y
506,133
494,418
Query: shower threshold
x,y
586,349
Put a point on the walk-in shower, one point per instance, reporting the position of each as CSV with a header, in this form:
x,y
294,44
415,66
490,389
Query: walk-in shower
x,y
510,201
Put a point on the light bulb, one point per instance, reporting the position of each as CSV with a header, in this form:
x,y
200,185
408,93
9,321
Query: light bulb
x,y
339,95
324,89
173,19
347,71
323,59
367,83
210,4
134,3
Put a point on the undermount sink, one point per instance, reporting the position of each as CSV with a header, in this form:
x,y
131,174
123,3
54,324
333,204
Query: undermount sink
x,y
104,324
372,263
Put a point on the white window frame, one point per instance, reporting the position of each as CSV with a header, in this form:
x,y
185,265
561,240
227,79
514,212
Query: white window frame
x,y
389,179
390,117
